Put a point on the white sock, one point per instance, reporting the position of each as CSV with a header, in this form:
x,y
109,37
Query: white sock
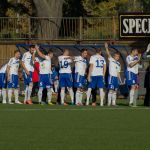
x,y
77,97
135,97
49,95
71,95
0,92
131,96
40,94
102,95
29,92
56,86
110,94
9,95
88,96
114,97
62,95
26,93
4,95
16,93
80,97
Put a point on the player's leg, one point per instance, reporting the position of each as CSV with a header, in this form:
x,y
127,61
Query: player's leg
x,y
49,96
4,95
131,95
10,89
114,98
92,85
40,94
110,97
62,95
29,91
56,85
69,84
16,88
102,96
100,85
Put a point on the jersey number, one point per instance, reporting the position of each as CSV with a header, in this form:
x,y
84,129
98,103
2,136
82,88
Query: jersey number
x,y
99,63
63,64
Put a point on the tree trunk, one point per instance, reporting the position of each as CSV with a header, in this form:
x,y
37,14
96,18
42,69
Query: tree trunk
x,y
48,28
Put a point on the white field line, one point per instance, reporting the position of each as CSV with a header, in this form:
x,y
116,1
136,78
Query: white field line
x,y
73,109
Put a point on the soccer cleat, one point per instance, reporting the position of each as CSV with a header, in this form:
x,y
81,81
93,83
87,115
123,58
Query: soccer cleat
x,y
10,103
29,102
65,104
24,102
50,103
93,104
4,102
18,102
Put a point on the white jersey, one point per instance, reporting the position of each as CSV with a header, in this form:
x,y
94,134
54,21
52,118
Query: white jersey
x,y
65,64
114,67
130,59
45,65
3,69
14,65
80,65
98,62
27,59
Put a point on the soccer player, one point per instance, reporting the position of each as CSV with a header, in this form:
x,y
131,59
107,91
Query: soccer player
x,y
114,78
80,70
132,61
65,76
12,77
45,80
3,84
96,75
27,64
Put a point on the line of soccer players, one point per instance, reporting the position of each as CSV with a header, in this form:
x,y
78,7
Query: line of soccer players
x,y
95,77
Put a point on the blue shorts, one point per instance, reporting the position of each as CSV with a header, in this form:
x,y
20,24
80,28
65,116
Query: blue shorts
x,y
131,78
96,82
13,83
65,80
3,80
113,83
79,81
27,78
45,81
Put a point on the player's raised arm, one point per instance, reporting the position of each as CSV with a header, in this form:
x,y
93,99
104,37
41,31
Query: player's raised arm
x,y
39,52
107,50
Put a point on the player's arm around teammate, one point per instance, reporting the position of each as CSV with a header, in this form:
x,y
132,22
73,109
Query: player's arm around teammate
x,y
45,80
12,77
114,78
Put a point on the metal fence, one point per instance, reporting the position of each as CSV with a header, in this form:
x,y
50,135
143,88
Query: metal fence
x,y
66,28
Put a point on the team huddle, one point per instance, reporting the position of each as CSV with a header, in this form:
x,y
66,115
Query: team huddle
x,y
96,66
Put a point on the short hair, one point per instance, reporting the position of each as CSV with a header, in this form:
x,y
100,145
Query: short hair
x,y
83,50
134,49
50,51
116,53
16,51
32,46
65,49
98,50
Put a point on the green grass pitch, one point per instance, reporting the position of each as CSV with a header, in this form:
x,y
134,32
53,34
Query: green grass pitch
x,y
36,127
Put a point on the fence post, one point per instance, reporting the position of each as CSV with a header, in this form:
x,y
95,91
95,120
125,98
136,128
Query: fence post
x,y
114,28
29,25
80,27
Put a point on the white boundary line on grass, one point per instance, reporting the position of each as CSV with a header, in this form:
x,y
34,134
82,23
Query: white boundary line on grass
x,y
72,109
